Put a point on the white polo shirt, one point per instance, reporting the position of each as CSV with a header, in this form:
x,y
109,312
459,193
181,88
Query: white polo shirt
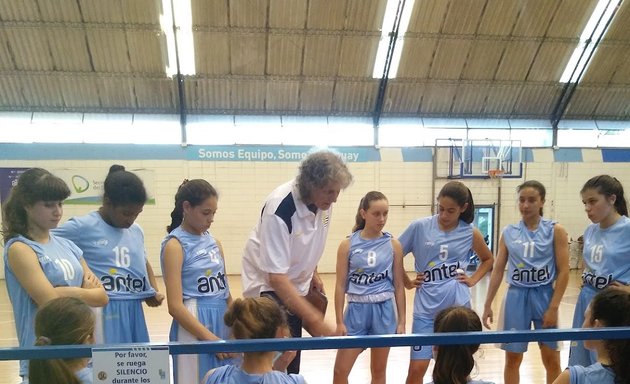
x,y
289,239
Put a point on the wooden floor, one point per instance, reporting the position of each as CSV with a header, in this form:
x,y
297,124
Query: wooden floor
x,y
317,365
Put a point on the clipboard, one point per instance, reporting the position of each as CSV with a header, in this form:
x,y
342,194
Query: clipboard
x,y
318,300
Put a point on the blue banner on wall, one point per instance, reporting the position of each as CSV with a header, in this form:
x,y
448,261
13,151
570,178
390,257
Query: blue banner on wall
x,y
39,151
274,153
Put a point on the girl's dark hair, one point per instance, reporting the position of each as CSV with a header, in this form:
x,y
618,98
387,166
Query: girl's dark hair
x,y
454,363
195,192
608,185
319,169
611,306
123,187
34,185
538,186
364,204
255,318
61,321
462,195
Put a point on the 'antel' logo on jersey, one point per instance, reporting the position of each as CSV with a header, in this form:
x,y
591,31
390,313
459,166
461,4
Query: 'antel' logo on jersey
x,y
121,283
531,275
361,278
595,281
442,272
209,283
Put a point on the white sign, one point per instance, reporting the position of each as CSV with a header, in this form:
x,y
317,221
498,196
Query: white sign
x,y
86,184
130,365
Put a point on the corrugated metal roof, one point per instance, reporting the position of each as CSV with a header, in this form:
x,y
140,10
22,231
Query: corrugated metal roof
x,y
499,58
284,54
282,96
317,96
212,53
321,55
354,96
287,14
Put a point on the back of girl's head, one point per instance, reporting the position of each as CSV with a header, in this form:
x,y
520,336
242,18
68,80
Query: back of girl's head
x,y
454,363
255,318
364,204
195,192
461,195
61,321
122,187
607,186
611,307
34,185
538,186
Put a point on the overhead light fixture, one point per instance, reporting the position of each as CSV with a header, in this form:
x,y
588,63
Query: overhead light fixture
x,y
177,16
389,21
593,31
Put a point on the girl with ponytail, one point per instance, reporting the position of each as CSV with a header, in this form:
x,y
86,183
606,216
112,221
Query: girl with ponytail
x,y
536,253
370,275
606,251
63,321
454,363
197,290
40,266
609,308
441,245
113,246
256,318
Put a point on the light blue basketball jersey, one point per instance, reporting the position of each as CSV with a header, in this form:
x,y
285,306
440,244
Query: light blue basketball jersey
x,y
593,374
438,255
607,254
606,259
231,374
60,261
370,265
116,255
531,255
203,269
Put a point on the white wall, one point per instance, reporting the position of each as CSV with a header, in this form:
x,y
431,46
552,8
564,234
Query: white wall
x,y
243,186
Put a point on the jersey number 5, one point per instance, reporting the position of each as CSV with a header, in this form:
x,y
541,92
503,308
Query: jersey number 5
x,y
443,252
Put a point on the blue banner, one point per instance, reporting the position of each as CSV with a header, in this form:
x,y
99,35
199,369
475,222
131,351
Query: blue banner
x,y
274,153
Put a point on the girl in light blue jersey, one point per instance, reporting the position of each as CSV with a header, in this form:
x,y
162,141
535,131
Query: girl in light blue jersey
x,y
113,247
256,318
370,272
536,253
196,281
609,308
454,363
38,265
63,321
606,251
441,245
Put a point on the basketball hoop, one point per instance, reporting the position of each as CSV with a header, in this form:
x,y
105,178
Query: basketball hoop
x,y
495,173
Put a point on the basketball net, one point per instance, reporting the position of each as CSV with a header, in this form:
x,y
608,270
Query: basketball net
x,y
495,173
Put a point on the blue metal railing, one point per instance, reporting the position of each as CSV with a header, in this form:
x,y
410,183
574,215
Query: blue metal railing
x,y
309,343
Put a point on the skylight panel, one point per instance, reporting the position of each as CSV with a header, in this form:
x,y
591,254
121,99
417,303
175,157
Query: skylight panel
x,y
593,31
180,46
389,21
